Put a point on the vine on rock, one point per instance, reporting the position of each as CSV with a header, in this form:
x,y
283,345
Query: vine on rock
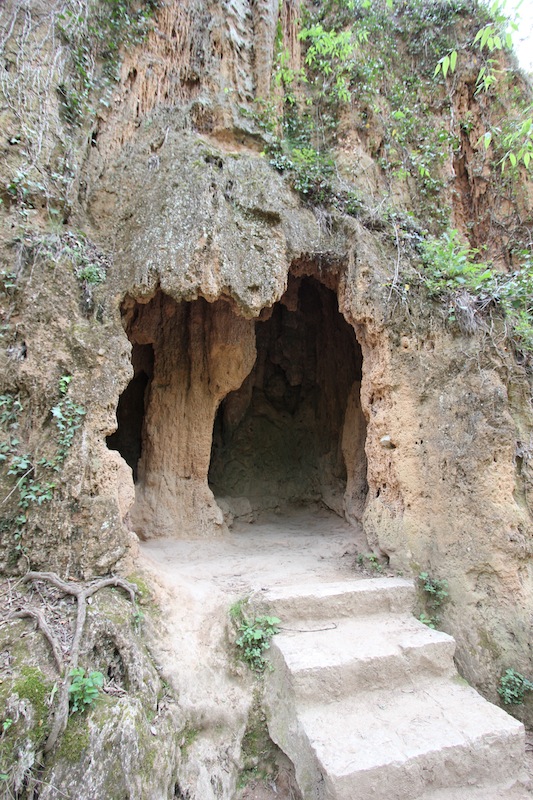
x,y
35,481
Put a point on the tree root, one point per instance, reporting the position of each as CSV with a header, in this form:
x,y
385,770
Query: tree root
x,y
81,593
38,616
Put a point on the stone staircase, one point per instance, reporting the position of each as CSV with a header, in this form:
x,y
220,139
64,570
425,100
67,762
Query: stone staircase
x,y
367,704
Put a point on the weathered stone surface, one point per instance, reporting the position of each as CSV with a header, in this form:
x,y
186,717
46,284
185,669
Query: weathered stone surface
x,y
201,236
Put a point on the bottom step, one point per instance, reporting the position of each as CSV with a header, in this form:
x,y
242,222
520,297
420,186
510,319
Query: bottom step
x,y
516,791
399,744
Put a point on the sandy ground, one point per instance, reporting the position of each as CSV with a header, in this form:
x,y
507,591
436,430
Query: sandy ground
x,y
274,551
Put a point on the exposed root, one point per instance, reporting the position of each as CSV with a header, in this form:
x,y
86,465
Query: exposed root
x,y
37,615
65,666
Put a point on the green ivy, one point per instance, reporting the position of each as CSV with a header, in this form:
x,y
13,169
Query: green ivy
x,y
34,481
96,35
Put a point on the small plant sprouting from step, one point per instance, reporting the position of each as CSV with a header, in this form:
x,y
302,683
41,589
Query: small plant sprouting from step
x,y
513,686
255,639
370,561
254,636
431,622
435,595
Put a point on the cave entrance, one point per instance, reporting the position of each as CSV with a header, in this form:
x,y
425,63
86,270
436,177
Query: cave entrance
x,y
261,414
128,437
293,434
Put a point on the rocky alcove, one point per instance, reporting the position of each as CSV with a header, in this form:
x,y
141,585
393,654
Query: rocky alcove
x,y
285,437
264,414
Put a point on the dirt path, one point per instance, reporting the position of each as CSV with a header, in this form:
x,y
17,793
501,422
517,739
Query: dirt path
x,y
274,551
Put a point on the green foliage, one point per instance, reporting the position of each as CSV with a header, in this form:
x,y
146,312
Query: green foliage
x,y
310,170
33,477
84,689
370,561
491,38
91,274
436,590
446,63
329,55
513,686
255,636
513,140
68,417
435,594
449,266
95,35
514,294
431,622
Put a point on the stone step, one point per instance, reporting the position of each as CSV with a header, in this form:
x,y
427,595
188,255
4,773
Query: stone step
x,y
331,601
515,790
366,703
359,654
397,744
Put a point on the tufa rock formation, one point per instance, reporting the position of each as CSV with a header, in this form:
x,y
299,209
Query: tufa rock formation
x,y
215,299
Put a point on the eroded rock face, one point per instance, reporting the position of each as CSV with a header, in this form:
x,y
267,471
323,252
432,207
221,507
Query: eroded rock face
x,y
200,352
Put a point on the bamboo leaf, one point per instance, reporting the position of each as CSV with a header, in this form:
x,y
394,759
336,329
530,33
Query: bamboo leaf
x,y
453,60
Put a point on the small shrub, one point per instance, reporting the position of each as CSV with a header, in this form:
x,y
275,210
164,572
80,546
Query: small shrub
x,y
254,639
84,689
309,169
91,274
450,267
435,595
436,590
513,686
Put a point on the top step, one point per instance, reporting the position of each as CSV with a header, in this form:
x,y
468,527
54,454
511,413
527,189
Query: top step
x,y
323,601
